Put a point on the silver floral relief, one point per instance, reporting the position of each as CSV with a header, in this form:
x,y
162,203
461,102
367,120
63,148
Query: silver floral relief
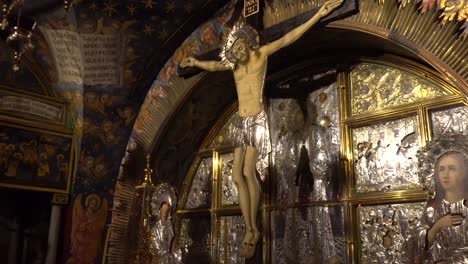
x,y
229,193
322,142
200,191
225,136
376,87
328,115
195,239
308,235
385,155
454,120
231,229
286,124
184,239
388,232
305,144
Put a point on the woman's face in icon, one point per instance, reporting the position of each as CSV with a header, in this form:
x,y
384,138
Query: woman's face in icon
x,y
451,172
165,208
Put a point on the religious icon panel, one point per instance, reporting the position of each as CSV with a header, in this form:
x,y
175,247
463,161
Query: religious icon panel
x,y
305,137
35,159
452,120
385,155
387,232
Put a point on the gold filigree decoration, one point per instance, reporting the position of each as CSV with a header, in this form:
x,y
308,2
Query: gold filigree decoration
x,y
452,9
421,31
277,11
376,87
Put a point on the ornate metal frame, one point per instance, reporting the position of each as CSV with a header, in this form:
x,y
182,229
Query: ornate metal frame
x,y
404,27
350,199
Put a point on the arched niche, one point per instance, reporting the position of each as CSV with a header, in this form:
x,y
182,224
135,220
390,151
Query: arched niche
x,y
366,34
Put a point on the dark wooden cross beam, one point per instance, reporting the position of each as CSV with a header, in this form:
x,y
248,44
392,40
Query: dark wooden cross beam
x,y
348,8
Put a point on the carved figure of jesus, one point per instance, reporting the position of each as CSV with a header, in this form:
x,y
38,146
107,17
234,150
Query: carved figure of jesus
x,y
242,54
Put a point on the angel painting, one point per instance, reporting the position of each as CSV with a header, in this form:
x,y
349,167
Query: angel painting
x,y
87,228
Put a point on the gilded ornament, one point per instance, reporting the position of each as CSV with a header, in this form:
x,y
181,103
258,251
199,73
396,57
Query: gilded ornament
x,y
325,121
450,9
239,32
377,87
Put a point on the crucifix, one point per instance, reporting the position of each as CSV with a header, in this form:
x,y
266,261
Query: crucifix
x,y
245,52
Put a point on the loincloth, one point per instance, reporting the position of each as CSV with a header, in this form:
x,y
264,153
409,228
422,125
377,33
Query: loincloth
x,y
253,131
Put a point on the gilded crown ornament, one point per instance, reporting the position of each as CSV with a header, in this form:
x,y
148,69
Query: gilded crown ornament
x,y
239,31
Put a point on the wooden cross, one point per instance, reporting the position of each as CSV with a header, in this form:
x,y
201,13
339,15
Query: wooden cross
x,y
348,8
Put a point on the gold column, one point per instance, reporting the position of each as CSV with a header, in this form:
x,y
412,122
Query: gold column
x,y
140,240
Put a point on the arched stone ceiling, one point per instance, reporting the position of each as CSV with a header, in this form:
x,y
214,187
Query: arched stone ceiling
x,y
156,29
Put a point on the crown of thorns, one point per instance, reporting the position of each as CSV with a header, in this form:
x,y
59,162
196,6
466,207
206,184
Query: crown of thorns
x,y
239,31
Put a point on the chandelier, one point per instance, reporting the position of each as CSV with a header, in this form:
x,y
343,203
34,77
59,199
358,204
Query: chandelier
x,y
15,30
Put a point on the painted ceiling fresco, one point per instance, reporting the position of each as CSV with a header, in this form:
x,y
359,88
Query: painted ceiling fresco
x,y
148,30
125,43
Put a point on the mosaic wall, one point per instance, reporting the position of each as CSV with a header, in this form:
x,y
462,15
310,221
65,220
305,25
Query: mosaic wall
x,y
107,124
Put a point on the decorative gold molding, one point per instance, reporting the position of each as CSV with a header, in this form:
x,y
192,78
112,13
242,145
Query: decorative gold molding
x,y
187,183
420,33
